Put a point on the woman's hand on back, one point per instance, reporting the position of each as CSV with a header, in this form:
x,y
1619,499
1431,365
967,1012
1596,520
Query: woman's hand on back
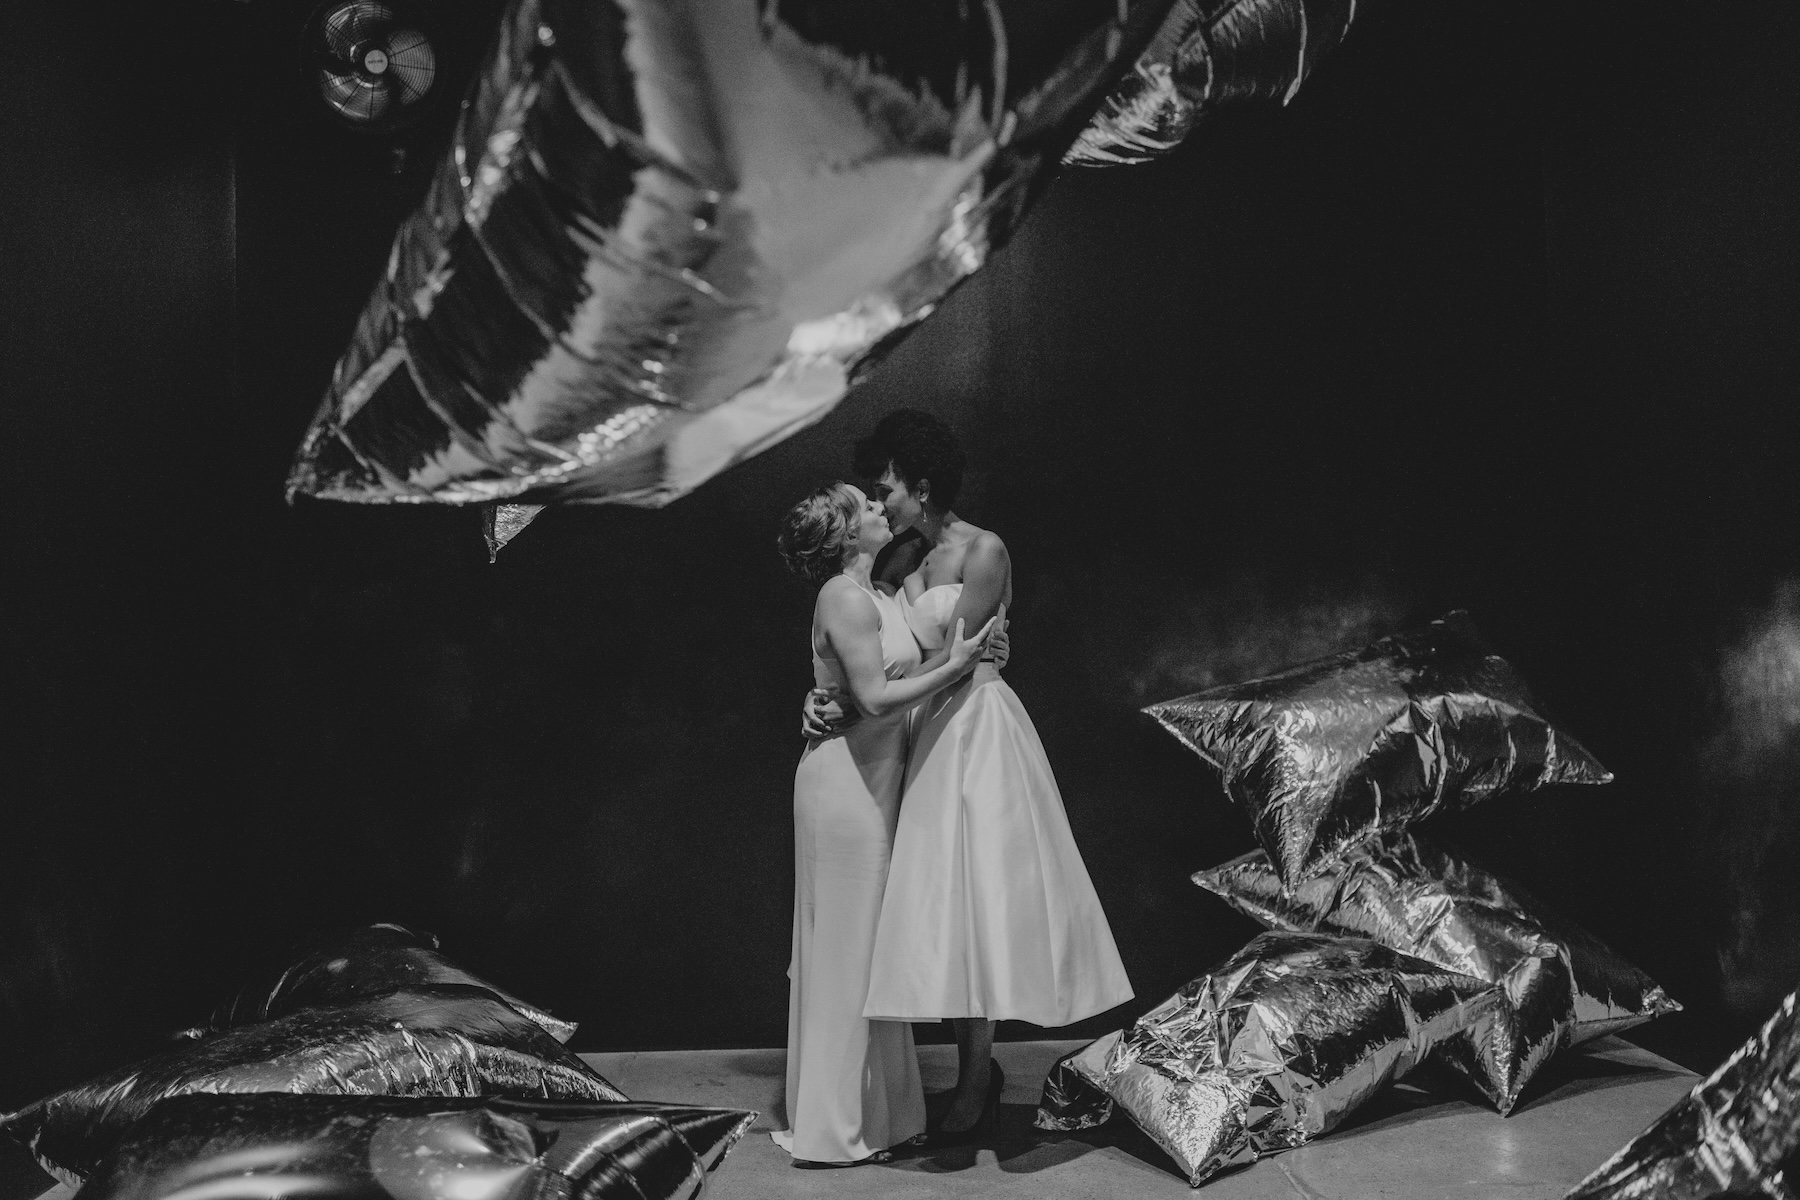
x,y
826,712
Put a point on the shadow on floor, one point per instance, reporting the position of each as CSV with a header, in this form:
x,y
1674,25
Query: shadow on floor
x,y
758,1064
1574,1074
1019,1148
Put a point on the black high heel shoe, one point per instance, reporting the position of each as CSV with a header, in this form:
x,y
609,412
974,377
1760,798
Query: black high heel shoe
x,y
879,1158
984,1124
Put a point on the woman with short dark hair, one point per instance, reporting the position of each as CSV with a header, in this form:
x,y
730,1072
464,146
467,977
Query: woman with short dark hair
x,y
853,1086
989,913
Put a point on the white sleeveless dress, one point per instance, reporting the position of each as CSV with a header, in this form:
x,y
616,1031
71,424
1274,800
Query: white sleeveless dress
x,y
989,911
852,1084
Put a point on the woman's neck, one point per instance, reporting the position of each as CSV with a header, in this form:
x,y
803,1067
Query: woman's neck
x,y
933,525
858,568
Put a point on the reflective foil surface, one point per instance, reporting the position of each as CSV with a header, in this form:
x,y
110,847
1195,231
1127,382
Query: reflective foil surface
x,y
670,233
444,1041
1275,1047
377,959
1209,53
382,1148
501,523
1327,753
1560,985
1727,1137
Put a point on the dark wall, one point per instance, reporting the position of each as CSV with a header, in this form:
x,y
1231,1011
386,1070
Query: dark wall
x,y
1496,314
118,594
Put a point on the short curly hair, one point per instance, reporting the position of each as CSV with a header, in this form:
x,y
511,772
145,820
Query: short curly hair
x,y
918,446
817,529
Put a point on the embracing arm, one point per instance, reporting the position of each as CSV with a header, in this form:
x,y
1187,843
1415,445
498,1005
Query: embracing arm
x,y
986,573
853,631
999,650
827,710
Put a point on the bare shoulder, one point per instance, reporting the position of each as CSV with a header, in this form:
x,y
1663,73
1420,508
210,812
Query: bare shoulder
x,y
986,541
985,549
841,600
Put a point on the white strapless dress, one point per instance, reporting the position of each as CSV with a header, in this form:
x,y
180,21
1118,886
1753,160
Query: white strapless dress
x,y
989,911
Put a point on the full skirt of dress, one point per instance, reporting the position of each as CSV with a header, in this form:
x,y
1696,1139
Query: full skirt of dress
x,y
852,1083
989,911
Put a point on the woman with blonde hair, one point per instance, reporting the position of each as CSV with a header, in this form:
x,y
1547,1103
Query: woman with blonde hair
x,y
853,1088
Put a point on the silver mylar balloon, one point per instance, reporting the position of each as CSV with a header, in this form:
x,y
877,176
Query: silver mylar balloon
x,y
1209,53
371,961
1561,985
1278,1045
441,1040
1331,752
670,233
416,1148
1731,1136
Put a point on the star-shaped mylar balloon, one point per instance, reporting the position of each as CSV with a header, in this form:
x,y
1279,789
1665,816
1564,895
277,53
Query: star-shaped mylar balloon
x,y
669,232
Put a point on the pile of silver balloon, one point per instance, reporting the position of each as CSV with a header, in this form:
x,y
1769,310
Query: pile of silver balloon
x,y
1736,1134
1274,1047
416,1148
1329,753
1334,760
1559,985
671,233
280,1080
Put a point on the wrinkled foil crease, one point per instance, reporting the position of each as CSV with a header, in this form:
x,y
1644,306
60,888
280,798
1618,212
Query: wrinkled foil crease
x,y
1331,752
1275,1047
1729,1136
669,235
373,960
442,1041
1561,986
1209,53
382,1148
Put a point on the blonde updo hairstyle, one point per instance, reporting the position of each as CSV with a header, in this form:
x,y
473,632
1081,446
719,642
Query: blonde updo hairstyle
x,y
818,530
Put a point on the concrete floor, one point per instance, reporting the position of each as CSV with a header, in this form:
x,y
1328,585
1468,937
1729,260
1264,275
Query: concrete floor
x,y
1421,1140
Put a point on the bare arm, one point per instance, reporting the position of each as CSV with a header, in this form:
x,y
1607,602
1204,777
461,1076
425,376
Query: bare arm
x,y
986,572
853,631
826,711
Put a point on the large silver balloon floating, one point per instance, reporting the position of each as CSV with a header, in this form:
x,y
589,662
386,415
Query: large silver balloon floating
x,y
1275,1047
373,960
382,1148
1328,753
1209,53
442,1041
1731,1136
670,233
1561,986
